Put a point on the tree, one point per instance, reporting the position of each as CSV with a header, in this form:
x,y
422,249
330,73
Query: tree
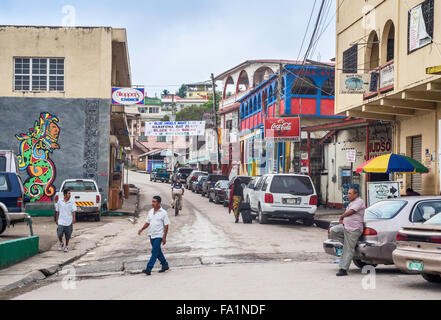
x,y
165,118
165,93
195,113
182,92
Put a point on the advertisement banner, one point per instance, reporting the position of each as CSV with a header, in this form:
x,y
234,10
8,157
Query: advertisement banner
x,y
127,96
418,36
174,128
282,129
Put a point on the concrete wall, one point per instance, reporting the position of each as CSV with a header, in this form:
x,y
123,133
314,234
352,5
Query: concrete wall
x,y
83,139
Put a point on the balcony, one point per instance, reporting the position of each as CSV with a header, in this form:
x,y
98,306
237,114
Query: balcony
x,y
382,80
227,102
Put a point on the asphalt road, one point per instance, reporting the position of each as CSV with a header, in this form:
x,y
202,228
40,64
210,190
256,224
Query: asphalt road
x,y
211,257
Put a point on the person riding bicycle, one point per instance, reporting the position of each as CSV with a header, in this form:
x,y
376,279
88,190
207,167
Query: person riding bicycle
x,y
177,190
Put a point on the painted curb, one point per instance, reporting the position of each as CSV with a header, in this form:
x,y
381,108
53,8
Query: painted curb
x,y
14,251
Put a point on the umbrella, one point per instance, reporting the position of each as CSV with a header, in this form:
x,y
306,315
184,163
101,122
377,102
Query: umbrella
x,y
391,163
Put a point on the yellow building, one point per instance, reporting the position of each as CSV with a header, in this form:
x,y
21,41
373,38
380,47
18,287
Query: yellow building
x,y
200,90
393,42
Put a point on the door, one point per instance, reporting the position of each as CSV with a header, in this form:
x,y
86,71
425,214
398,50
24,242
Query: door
x,y
416,179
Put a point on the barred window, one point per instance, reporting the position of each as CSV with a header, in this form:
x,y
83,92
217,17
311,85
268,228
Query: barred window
x,y
39,74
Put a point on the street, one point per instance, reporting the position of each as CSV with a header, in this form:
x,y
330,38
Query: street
x,y
211,257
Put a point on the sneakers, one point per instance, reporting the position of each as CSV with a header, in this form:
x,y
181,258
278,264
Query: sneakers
x,y
60,246
164,269
147,272
66,249
342,273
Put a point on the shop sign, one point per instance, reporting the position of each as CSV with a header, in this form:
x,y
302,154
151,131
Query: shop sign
x,y
380,147
418,35
351,155
387,76
127,96
282,129
378,191
353,83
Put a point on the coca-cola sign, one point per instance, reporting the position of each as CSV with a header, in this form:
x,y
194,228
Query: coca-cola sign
x,y
127,96
282,129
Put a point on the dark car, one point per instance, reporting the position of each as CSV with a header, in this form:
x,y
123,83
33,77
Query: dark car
x,y
211,180
199,184
181,174
218,192
194,175
160,174
243,179
12,200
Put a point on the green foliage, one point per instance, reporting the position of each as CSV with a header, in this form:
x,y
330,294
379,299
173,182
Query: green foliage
x,y
165,118
195,113
165,93
182,92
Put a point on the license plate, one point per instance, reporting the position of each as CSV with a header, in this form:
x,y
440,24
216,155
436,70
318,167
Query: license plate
x,y
293,201
415,265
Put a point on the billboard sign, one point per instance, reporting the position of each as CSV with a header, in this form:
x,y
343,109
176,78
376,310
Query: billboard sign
x,y
127,96
174,128
282,129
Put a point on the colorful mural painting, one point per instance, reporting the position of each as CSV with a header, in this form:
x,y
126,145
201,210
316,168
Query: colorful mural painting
x,y
35,148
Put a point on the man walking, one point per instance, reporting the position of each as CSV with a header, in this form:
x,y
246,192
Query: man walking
x,y
350,229
65,217
157,219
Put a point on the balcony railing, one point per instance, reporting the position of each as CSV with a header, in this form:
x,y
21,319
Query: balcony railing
x,y
382,80
233,99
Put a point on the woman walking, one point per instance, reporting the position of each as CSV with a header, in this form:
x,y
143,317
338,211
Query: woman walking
x,y
236,197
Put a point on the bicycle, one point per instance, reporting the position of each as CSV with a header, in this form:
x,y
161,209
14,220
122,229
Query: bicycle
x,y
177,204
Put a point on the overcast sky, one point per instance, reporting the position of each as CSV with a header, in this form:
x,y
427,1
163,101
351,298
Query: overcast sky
x,y
173,42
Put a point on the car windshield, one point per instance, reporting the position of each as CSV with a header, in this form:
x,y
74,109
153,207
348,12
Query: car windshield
x,y
185,171
384,209
83,186
2,163
296,185
4,185
435,220
217,178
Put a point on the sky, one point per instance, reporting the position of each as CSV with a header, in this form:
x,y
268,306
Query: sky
x,y
172,42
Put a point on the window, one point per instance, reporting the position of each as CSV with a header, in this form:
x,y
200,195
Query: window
x,y
328,87
83,186
162,139
426,210
350,60
295,185
270,95
304,86
2,163
4,184
39,74
154,110
384,209
265,183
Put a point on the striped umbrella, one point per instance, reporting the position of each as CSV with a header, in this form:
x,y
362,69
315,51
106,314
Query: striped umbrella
x,y
391,163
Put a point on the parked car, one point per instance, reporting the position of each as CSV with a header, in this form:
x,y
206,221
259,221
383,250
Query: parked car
x,y
181,174
193,177
243,179
161,175
8,161
217,193
12,200
382,221
86,195
250,190
419,249
199,184
288,196
210,182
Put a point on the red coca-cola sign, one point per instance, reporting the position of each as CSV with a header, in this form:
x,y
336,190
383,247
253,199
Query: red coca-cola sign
x,y
284,129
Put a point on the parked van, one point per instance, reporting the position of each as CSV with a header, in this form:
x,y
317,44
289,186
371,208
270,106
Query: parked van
x,y
8,161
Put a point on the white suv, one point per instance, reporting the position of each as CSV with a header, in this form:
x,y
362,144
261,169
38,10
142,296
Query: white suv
x,y
289,196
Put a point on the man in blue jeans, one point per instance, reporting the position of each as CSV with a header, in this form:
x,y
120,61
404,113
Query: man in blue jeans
x,y
157,219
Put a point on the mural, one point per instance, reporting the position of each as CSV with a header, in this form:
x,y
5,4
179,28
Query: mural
x,y
35,148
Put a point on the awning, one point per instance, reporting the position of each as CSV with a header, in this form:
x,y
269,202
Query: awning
x,y
119,128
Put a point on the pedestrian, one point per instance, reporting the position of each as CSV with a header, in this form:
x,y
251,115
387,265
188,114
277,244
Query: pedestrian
x,y
65,217
177,190
350,229
236,196
157,219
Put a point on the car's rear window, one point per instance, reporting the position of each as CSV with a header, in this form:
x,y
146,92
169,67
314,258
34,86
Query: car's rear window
x,y
187,171
217,178
384,209
295,185
81,186
2,163
4,183
223,183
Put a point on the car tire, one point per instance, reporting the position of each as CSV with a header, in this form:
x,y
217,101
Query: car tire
x,y
433,278
360,264
210,199
308,222
292,221
2,222
216,200
98,217
263,219
225,204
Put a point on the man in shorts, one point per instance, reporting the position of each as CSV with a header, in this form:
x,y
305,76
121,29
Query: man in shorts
x,y
65,212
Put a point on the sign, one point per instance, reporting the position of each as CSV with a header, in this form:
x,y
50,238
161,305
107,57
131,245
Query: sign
x,y
353,83
127,96
387,76
304,156
173,128
418,36
304,170
378,191
282,129
380,147
351,155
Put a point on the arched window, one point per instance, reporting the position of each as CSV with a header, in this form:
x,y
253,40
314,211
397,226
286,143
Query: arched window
x,y
328,87
304,86
270,95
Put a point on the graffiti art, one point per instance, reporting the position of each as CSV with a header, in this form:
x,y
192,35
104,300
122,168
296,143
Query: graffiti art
x,y
35,147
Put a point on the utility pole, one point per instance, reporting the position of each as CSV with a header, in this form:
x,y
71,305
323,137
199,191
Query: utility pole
x,y
173,137
279,90
215,121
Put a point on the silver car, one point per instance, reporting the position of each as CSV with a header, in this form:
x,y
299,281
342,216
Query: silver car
x,y
382,222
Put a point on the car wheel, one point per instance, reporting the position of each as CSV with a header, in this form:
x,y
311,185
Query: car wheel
x,y
2,222
308,222
216,200
225,204
263,219
360,264
210,198
98,217
292,221
434,278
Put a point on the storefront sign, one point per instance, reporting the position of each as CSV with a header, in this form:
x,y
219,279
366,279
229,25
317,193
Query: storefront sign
x,y
380,147
378,191
418,36
127,96
282,129
353,83
351,155
185,128
387,76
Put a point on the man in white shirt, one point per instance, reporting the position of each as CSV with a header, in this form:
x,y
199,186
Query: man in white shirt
x,y
157,219
65,217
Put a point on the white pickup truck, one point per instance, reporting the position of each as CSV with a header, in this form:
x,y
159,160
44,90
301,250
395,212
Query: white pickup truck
x,y
86,195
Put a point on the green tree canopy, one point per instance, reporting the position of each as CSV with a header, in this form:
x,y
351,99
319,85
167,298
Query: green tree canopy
x,y
165,93
195,113
182,92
